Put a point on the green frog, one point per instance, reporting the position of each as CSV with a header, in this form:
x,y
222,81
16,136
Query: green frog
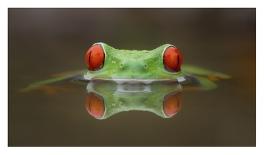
x,y
164,63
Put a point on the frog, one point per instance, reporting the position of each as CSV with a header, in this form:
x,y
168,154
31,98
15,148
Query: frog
x,y
164,63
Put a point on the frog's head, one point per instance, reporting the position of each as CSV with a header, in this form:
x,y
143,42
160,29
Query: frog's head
x,y
106,62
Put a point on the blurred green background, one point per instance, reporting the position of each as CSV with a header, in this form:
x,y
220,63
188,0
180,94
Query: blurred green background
x,y
42,42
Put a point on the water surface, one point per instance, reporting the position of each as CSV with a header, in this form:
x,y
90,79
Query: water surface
x,y
43,42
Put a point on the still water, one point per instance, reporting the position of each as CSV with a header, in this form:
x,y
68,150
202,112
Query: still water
x,y
46,42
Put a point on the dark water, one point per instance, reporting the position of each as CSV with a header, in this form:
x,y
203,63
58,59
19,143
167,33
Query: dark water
x,y
43,42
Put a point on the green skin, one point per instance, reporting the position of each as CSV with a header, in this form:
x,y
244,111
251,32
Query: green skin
x,y
133,64
139,66
128,97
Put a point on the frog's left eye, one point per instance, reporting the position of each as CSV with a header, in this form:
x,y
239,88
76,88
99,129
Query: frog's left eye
x,y
172,59
95,105
94,57
172,104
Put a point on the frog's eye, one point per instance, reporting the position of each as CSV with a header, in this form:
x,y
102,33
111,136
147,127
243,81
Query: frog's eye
x,y
95,105
94,57
172,59
171,104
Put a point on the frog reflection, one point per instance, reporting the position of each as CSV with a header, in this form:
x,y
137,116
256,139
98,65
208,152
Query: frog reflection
x,y
105,99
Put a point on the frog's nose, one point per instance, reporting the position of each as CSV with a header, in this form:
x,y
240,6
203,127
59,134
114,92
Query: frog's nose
x,y
135,66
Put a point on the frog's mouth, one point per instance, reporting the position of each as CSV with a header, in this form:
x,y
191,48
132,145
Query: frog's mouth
x,y
180,80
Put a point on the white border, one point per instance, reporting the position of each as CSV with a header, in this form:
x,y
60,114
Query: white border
x,y
142,4
130,3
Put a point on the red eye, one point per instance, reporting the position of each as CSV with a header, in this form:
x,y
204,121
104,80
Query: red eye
x,y
172,59
172,104
94,57
95,105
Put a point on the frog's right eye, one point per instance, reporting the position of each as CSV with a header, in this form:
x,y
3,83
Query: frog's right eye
x,y
172,59
94,57
95,105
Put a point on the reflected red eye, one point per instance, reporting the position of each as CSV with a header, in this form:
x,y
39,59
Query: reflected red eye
x,y
94,57
95,105
172,104
172,59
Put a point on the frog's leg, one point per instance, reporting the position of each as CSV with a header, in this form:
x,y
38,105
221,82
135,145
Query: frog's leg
x,y
57,78
206,78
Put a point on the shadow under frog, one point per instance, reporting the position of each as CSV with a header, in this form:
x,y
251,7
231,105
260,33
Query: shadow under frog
x,y
105,99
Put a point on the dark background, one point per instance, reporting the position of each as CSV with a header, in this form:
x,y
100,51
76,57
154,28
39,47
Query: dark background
x,y
46,41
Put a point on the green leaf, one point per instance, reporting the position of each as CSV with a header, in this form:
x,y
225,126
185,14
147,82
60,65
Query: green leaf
x,y
204,72
61,77
206,84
